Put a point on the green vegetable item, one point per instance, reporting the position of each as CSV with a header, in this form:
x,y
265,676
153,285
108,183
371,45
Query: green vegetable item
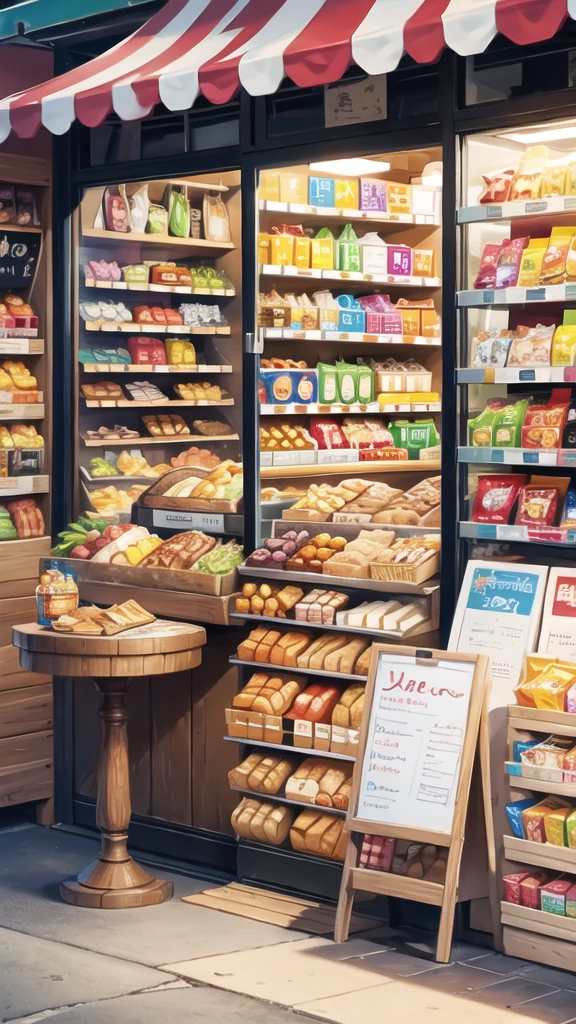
x,y
7,529
179,215
221,560
348,253
101,467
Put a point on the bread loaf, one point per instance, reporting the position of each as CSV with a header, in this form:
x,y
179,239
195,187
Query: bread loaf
x,y
363,662
286,651
315,704
321,781
319,833
349,709
261,773
344,659
270,695
263,822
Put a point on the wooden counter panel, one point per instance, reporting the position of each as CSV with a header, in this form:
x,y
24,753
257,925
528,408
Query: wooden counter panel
x,y
25,711
26,768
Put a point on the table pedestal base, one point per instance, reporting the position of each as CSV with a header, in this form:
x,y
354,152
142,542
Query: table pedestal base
x,y
155,891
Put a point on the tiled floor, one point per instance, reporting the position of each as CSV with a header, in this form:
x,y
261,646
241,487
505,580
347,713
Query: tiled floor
x,y
181,962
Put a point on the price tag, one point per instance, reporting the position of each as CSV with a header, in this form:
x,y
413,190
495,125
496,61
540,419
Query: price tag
x,y
191,520
286,458
531,458
570,374
570,291
487,531
535,295
526,375
512,532
497,455
570,202
14,346
567,457
536,207
493,212
488,297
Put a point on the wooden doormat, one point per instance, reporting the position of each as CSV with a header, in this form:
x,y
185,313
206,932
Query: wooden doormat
x,y
275,908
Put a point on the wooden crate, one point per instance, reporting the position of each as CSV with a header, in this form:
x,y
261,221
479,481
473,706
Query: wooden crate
x,y
180,580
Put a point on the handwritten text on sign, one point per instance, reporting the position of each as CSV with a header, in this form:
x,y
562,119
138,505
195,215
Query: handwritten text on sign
x,y
414,745
19,252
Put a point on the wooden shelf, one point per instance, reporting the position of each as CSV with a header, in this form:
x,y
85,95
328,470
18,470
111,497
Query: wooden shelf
x,y
342,214
21,346
126,403
346,582
176,604
377,634
303,751
300,804
17,227
158,289
542,855
350,277
130,442
537,720
539,921
384,883
22,411
259,666
167,368
355,468
11,486
565,789
370,408
287,333
160,239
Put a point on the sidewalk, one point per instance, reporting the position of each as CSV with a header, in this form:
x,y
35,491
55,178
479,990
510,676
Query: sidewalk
x,y
180,962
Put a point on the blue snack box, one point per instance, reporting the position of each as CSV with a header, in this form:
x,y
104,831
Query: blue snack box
x,y
514,815
321,191
352,316
520,747
305,386
287,387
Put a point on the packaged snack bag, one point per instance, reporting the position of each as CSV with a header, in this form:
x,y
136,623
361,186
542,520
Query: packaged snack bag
x,y
531,888
569,515
263,248
321,191
554,262
178,212
519,747
116,212
415,437
554,180
571,261
399,260
553,896
512,886
571,830
480,428
322,255
486,277
531,263
571,178
543,424
490,348
269,186
423,262
550,688
509,259
534,664
293,188
569,760
495,497
346,193
348,251
365,383
138,204
514,815
569,432
281,248
215,217
507,425
157,223
537,506
497,186
533,818
528,178
327,383
545,760
26,210
328,434
431,323
347,380
8,206
373,195
564,345
302,249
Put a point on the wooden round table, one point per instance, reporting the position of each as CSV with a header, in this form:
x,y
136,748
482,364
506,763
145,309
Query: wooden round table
x,y
114,880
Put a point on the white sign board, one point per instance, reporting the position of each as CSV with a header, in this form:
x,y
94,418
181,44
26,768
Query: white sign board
x,y
498,614
356,102
414,742
558,634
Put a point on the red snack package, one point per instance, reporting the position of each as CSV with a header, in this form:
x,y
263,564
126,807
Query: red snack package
x,y
146,351
173,317
512,886
543,424
158,315
537,506
116,210
530,889
495,497
328,434
509,260
142,315
486,277
497,186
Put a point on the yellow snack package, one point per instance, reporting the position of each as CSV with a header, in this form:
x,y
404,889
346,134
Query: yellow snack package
x,y
527,181
564,345
554,262
399,197
571,261
302,249
552,685
531,263
179,352
294,188
346,193
571,178
281,250
322,250
534,665
555,826
269,186
263,248
554,180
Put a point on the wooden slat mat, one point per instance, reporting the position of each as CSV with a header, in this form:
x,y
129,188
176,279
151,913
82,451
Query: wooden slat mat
x,y
275,908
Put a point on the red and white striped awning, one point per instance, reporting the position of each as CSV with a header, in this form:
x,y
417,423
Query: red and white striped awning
x,y
213,47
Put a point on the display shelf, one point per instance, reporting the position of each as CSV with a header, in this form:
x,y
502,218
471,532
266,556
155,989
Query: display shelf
x,y
379,635
303,806
338,468
515,296
555,536
167,368
135,328
126,403
194,245
337,676
158,289
347,582
289,334
384,883
343,214
542,855
333,409
541,922
565,789
131,441
30,230
176,521
512,375
511,456
350,276
303,751
21,346
516,208
542,720
10,486
22,411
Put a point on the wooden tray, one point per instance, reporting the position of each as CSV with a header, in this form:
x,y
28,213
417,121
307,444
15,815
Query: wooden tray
x,y
342,569
402,573
305,515
182,580
155,496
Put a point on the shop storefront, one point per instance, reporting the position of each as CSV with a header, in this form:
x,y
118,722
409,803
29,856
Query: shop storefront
x,y
329,281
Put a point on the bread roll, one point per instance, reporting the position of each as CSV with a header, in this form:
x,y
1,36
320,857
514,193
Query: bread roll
x,y
263,822
321,781
318,833
349,709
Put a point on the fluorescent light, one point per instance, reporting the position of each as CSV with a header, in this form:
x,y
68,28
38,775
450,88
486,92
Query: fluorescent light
x,y
353,165
544,135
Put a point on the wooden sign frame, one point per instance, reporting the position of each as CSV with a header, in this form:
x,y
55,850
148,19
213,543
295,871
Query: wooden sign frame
x,y
382,883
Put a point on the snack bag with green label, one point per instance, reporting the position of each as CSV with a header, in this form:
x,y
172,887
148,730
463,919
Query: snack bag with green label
x,y
348,251
347,376
507,424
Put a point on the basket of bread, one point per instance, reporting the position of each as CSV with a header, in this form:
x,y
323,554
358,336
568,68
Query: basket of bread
x,y
408,560
198,489
364,501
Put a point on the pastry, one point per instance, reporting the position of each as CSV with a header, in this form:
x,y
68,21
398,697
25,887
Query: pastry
x,y
212,428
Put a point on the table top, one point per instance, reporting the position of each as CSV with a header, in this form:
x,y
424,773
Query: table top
x,y
159,637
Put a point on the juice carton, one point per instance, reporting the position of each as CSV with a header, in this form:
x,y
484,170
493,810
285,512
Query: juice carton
x,y
553,896
411,321
530,889
374,254
399,197
430,323
348,250
512,886
281,250
352,316
302,249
